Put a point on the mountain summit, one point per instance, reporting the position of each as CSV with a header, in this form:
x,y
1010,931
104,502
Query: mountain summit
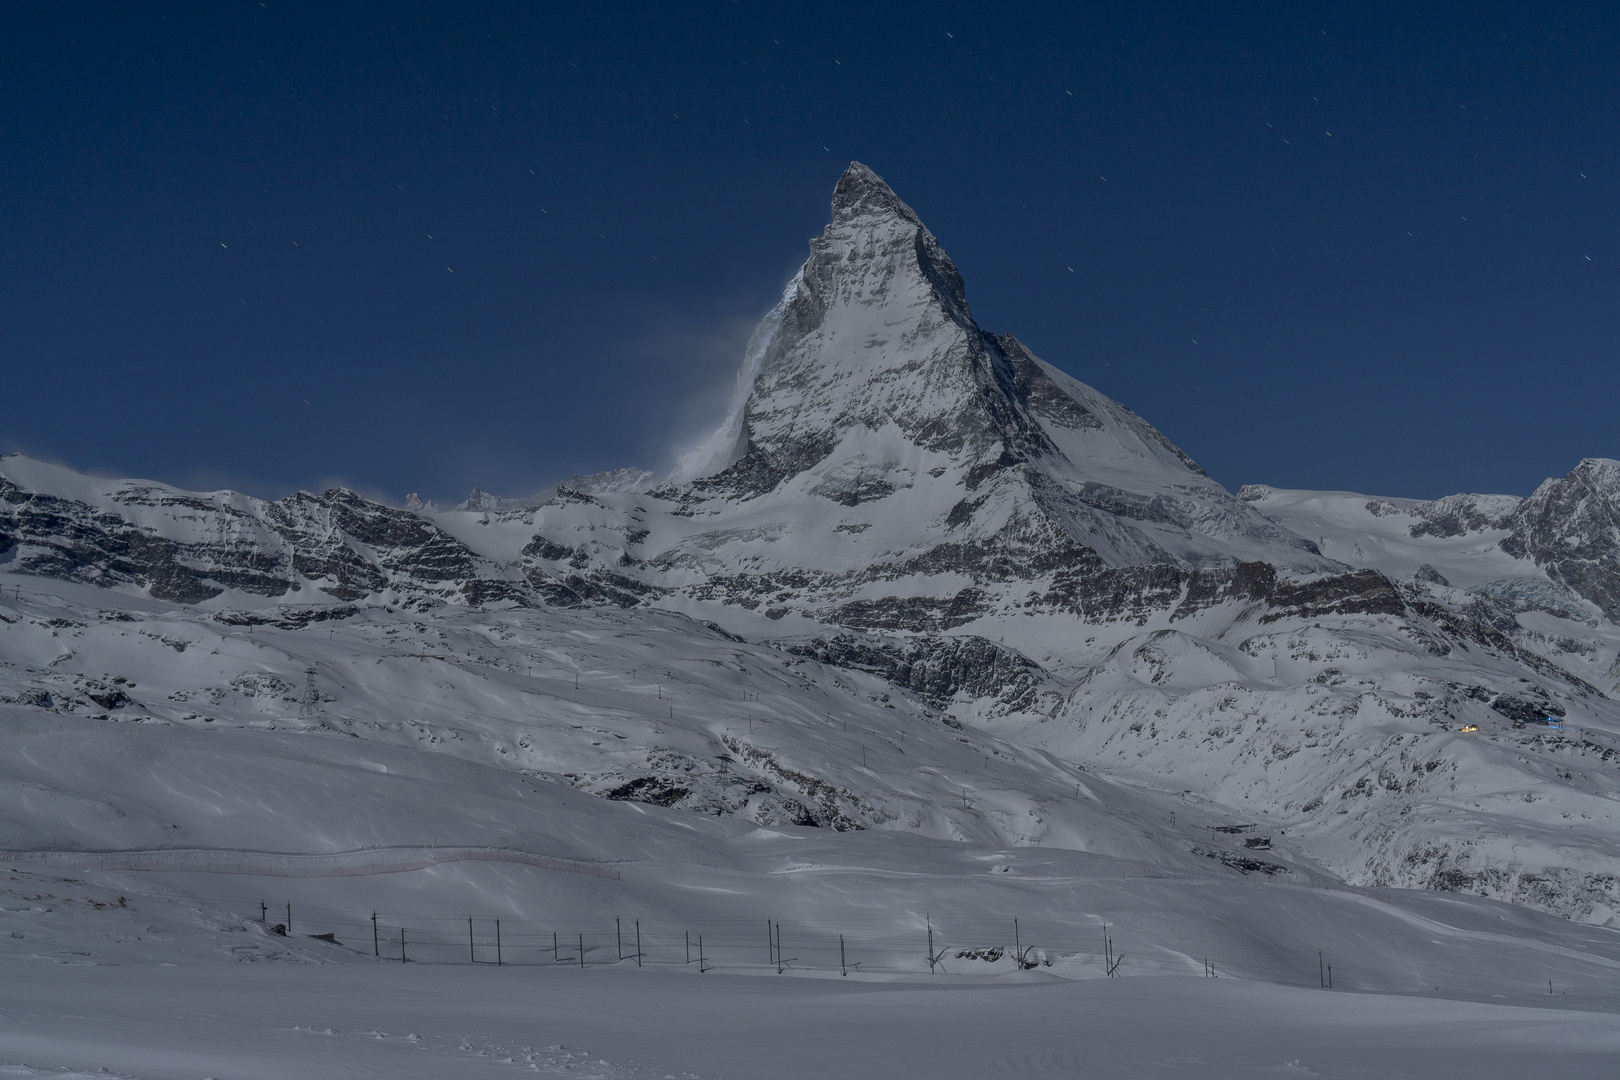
x,y
871,373
880,442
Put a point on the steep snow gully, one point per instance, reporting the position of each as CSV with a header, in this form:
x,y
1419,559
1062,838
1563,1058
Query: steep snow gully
x,y
928,637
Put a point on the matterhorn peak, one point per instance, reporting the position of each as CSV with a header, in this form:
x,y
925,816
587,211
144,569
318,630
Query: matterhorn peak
x,y
873,238
860,192
871,385
873,334
877,293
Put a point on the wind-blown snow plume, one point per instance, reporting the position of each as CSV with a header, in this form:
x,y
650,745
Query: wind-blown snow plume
x,y
720,448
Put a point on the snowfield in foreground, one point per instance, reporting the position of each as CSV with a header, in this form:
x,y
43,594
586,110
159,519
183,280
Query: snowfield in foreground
x,y
272,1022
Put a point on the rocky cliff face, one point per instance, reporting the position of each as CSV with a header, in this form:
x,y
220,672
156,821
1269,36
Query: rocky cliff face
x,y
1570,527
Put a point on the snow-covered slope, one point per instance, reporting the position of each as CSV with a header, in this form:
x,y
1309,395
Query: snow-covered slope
x,y
598,778
1459,536
1538,570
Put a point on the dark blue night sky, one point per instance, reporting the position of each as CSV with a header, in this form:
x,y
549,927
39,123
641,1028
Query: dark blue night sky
x,y
418,248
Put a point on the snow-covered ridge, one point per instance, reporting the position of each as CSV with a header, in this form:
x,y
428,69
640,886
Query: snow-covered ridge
x,y
629,478
191,547
1459,535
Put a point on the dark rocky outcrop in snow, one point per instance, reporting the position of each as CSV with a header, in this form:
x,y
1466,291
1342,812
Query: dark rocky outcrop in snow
x,y
1570,527
939,668
187,548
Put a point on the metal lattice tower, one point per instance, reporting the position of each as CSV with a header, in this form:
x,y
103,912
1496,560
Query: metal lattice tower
x,y
310,703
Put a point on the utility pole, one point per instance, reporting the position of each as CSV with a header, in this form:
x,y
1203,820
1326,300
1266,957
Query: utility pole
x,y
935,960
781,961
376,942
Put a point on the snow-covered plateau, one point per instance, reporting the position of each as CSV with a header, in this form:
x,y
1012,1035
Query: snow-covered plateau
x,y
929,707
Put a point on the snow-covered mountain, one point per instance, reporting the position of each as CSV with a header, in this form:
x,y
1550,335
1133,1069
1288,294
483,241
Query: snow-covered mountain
x,y
888,464
1044,623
